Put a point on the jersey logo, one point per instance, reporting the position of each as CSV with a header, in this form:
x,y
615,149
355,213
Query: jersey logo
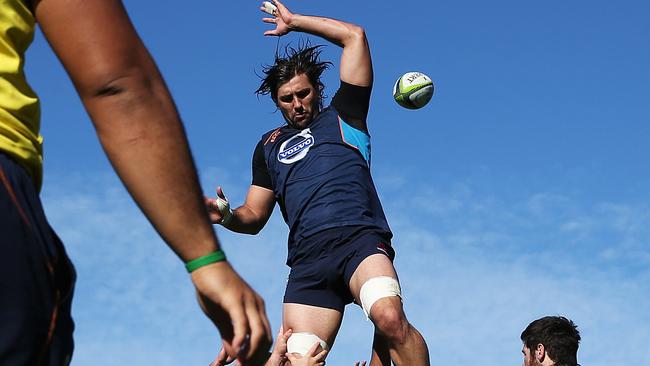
x,y
382,248
273,136
296,147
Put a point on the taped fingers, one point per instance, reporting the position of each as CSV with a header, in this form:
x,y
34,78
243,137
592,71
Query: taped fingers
x,y
269,8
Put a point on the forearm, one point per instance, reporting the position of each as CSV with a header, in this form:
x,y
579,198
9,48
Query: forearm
x,y
356,63
134,115
142,134
245,221
336,31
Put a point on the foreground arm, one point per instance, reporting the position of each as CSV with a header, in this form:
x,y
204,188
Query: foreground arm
x,y
140,130
356,63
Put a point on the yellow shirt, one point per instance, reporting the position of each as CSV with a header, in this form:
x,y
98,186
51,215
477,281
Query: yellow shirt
x,y
19,105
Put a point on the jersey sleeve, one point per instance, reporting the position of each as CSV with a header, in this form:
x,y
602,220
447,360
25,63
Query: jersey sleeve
x,y
261,176
352,102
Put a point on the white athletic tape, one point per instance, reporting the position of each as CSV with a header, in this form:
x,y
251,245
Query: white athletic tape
x,y
302,342
270,8
224,209
377,288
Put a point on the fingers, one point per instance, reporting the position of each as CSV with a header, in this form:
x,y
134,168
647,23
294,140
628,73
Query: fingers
x,y
281,342
321,355
269,8
220,193
286,334
293,357
279,5
222,359
260,329
312,350
210,203
240,329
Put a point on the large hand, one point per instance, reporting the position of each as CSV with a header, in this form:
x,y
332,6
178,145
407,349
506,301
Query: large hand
x,y
312,358
236,310
282,19
219,208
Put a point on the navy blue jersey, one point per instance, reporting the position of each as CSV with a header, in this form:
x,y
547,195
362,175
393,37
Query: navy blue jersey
x,y
321,175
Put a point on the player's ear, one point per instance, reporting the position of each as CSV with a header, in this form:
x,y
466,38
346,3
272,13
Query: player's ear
x,y
540,353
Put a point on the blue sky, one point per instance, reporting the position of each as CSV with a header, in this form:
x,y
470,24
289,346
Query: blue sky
x,y
519,191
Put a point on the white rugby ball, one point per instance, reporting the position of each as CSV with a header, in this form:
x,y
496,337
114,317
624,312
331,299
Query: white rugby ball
x,y
413,90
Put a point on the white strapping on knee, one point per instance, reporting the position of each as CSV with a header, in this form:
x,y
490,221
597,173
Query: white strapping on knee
x,y
302,342
377,288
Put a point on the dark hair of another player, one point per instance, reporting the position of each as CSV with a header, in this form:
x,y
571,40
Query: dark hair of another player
x,y
303,60
559,335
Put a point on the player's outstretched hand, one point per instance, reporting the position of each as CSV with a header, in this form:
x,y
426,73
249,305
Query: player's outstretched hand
x,y
237,311
282,19
218,208
314,357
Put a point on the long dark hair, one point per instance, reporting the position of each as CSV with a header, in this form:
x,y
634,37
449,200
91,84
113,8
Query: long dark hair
x,y
296,61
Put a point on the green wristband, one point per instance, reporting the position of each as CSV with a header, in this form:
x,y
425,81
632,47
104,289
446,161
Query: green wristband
x,y
194,264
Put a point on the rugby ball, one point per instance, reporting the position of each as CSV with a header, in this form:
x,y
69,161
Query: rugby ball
x,y
413,90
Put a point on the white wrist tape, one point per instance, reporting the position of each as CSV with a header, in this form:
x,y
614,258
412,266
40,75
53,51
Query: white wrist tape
x,y
224,209
377,288
302,342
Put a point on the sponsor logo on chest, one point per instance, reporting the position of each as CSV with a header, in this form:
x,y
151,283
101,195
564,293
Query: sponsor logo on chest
x,y
296,147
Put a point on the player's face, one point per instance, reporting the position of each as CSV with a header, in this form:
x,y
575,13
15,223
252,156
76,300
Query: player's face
x,y
298,101
529,360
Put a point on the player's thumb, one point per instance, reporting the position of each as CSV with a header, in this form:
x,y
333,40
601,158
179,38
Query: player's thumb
x,y
220,193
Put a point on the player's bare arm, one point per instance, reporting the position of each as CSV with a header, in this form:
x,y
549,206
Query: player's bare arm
x,y
141,132
250,217
356,63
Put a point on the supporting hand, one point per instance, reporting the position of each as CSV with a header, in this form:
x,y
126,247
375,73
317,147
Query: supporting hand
x,y
237,311
314,357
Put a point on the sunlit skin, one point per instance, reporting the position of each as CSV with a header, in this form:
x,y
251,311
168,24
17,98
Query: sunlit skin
x,y
298,101
531,360
527,359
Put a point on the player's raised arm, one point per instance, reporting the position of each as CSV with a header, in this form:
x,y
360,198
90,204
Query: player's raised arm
x,y
356,63
141,132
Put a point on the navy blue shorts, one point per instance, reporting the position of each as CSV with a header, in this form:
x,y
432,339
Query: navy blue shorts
x,y
322,277
36,277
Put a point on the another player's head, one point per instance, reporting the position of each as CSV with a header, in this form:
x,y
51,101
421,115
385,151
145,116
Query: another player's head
x,y
551,340
294,84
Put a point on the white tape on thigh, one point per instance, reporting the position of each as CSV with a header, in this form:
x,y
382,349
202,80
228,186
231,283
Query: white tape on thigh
x,y
302,342
377,288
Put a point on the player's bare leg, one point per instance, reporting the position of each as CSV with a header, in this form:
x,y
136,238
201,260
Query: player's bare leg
x,y
324,323
380,352
406,345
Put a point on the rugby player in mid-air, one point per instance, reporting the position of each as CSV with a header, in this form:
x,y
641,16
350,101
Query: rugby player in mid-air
x,y
316,166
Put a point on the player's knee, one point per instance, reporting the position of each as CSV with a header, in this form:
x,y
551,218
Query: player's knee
x,y
390,321
302,342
